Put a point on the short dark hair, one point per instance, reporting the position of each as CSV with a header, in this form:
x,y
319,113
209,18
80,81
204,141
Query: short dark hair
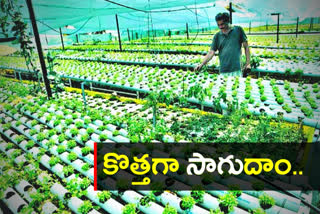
x,y
223,16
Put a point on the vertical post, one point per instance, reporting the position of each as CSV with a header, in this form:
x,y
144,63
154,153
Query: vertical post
x,y
77,37
311,24
187,30
278,16
119,38
169,33
137,36
61,37
230,12
39,48
278,28
267,25
250,27
132,35
297,27
128,34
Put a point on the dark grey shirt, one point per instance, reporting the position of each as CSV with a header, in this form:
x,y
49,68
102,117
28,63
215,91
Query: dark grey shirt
x,y
229,47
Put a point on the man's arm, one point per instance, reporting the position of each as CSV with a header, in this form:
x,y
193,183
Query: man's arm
x,y
206,59
247,53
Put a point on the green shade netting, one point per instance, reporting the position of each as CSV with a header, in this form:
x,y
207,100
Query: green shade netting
x,y
141,15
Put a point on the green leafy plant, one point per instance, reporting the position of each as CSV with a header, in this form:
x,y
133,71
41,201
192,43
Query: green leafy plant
x,y
74,132
19,138
169,210
84,138
71,144
129,209
266,201
72,156
85,150
41,136
85,207
187,203
53,161
103,137
227,202
216,211
103,196
85,167
29,144
85,182
61,149
198,193
145,200
68,170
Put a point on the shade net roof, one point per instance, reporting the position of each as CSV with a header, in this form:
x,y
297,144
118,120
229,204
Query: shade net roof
x,y
141,15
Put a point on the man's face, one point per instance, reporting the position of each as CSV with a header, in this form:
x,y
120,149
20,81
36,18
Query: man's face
x,y
222,25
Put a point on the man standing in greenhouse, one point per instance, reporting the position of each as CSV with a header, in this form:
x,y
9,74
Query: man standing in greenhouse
x,y
228,42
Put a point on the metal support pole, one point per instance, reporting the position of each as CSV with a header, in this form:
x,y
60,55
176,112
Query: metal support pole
x,y
118,33
250,27
278,28
230,12
311,24
267,25
137,35
83,95
38,43
61,37
297,27
187,30
128,34
278,22
19,74
77,38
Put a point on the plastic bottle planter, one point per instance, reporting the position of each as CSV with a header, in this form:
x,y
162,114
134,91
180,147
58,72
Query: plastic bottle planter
x,y
34,152
45,161
49,208
134,197
74,203
25,189
62,193
58,170
14,202
111,205
20,159
209,202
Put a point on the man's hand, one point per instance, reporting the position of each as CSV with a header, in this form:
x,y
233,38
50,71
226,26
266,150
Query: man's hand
x,y
198,67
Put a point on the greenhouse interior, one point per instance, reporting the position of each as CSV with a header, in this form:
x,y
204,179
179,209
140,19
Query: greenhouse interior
x,y
77,76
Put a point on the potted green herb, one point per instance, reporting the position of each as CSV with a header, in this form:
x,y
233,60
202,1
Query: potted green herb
x,y
85,167
103,196
197,193
85,208
266,201
145,200
72,156
216,211
169,210
187,203
129,209
227,202
67,171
